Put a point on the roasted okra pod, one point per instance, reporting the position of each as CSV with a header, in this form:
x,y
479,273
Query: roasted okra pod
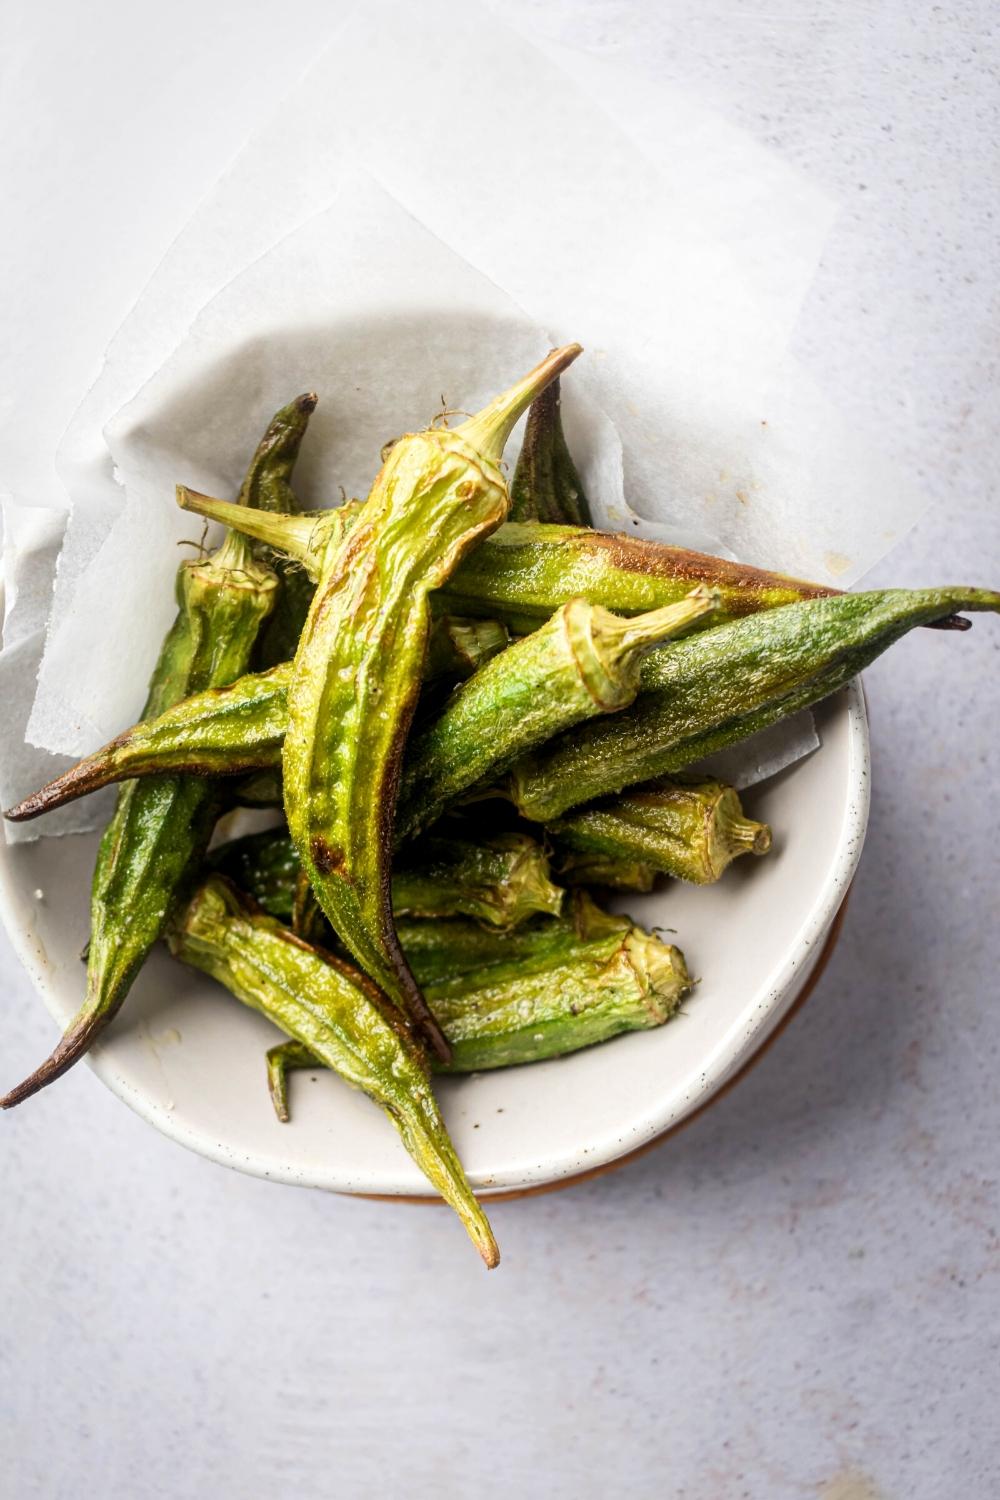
x,y
535,1008
546,485
689,829
357,669
267,486
340,1016
160,828
501,880
719,686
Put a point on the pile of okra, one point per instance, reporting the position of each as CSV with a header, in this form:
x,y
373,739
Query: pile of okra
x,y
472,710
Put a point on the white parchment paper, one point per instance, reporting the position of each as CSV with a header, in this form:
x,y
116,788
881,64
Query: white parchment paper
x,y
680,269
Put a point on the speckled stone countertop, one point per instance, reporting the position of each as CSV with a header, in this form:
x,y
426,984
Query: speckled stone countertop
x,y
798,1296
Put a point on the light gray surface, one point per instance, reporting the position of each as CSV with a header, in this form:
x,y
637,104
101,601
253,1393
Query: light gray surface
x,y
799,1295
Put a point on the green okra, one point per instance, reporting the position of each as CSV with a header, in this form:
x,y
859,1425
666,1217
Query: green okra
x,y
509,1013
582,662
546,485
501,880
618,872
525,571
692,829
341,1016
160,828
224,731
236,729
357,669
267,486
517,1012
446,947
720,686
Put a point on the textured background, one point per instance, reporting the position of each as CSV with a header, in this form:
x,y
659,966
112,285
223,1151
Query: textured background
x,y
799,1295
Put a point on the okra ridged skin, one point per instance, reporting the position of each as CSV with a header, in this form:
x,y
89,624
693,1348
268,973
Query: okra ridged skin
x,y
501,881
583,661
267,487
717,687
160,828
358,668
692,830
546,485
509,1014
341,1017
526,570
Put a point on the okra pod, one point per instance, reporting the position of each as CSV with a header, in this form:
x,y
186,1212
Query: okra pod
x,y
501,880
160,828
525,571
582,662
357,669
218,732
236,729
516,1012
340,1016
617,872
267,486
546,485
510,1014
692,830
720,686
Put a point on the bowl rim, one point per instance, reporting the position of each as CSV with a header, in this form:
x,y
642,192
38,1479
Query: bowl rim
x,y
727,1059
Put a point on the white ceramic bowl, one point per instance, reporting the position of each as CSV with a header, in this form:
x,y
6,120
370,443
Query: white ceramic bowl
x,y
190,1059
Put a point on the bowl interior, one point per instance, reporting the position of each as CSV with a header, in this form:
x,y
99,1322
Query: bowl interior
x,y
190,1059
